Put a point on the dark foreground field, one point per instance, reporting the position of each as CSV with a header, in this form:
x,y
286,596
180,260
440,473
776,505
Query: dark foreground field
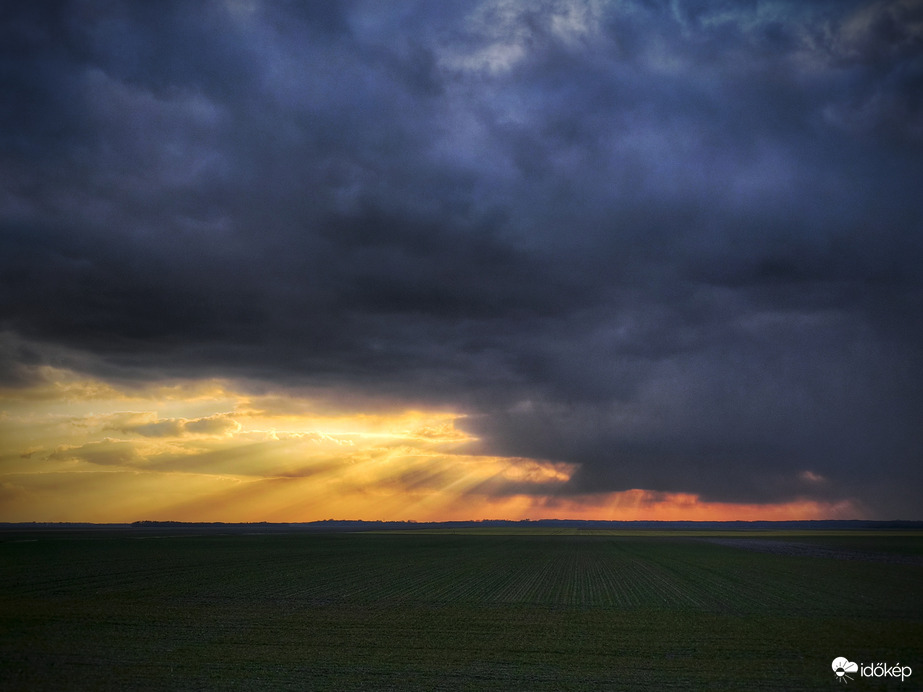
x,y
117,610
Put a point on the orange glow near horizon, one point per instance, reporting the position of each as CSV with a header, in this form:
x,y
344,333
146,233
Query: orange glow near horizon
x,y
78,449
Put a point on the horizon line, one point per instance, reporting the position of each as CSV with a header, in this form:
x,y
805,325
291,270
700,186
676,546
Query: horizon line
x,y
168,522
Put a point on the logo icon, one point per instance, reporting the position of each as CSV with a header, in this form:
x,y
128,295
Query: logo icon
x,y
841,667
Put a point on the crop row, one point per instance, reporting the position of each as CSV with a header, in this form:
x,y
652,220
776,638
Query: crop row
x,y
603,572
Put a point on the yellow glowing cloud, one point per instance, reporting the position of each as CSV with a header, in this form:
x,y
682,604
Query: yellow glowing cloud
x,y
194,450
76,449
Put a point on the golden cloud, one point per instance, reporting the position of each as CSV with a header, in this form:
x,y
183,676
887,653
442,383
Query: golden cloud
x,y
70,451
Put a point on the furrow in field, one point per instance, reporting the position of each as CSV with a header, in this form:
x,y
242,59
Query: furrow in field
x,y
705,584
523,583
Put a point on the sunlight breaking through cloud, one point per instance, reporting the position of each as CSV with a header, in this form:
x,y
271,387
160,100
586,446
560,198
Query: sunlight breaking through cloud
x,y
80,449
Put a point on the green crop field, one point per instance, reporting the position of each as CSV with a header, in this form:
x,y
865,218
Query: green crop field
x,y
120,610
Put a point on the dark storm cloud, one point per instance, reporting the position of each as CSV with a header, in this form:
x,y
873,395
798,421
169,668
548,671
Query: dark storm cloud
x,y
678,245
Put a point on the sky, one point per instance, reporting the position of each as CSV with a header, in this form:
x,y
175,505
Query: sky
x,y
283,261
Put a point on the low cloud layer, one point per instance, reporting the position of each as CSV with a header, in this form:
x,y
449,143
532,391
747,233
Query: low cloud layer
x,y
676,247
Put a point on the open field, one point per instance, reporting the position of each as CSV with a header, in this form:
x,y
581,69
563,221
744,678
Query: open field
x,y
123,610
847,534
